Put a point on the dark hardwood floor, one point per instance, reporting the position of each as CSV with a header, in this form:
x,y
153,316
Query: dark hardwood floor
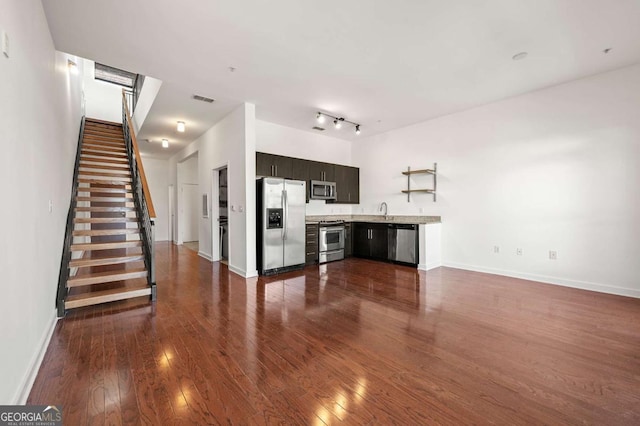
x,y
356,342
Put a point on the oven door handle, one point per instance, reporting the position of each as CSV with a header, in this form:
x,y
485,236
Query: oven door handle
x,y
333,229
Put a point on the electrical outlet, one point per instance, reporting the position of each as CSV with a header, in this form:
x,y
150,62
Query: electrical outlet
x,y
519,251
553,255
496,249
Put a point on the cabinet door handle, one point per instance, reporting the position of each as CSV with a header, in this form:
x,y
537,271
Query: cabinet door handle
x,y
272,174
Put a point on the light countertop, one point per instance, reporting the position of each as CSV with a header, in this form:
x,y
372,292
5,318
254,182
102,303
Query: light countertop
x,y
422,220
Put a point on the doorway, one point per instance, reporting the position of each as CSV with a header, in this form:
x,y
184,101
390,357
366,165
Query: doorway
x,y
223,215
220,220
190,215
188,204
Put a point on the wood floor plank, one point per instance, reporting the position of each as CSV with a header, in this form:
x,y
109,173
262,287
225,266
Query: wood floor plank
x,y
353,342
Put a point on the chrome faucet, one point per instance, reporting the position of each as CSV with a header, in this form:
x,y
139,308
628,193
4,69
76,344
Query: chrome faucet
x,y
384,204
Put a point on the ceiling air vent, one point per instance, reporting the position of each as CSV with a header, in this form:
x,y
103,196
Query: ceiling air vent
x,y
320,129
203,99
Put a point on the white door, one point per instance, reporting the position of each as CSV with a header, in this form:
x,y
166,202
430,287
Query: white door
x,y
190,212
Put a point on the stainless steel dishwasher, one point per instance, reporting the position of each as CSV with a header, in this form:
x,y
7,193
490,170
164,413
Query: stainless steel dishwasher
x,y
403,243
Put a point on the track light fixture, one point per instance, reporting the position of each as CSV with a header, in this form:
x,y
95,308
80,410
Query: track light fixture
x,y
337,121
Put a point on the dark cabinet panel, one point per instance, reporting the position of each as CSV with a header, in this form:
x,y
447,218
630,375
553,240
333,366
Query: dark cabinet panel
x,y
264,164
321,171
311,246
348,240
274,165
379,242
360,239
300,169
347,184
370,240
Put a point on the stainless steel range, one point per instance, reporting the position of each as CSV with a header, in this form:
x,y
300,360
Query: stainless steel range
x,y
331,241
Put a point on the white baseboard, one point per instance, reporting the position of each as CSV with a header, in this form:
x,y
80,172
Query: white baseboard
x,y
583,285
429,266
206,256
34,366
242,272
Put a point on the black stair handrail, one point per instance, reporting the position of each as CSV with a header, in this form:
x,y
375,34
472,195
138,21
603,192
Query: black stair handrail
x,y
139,195
68,235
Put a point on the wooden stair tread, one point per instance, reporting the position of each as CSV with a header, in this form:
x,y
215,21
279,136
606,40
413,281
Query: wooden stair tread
x,y
103,153
106,277
105,209
105,219
105,199
109,173
105,246
106,166
94,157
88,120
105,190
101,179
102,232
104,296
104,147
98,141
104,261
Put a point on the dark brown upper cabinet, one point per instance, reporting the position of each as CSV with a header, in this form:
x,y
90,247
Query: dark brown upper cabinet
x,y
347,178
321,171
274,165
347,184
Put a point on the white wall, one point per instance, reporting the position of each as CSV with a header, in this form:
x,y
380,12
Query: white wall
x,y
103,100
230,142
281,140
556,169
150,89
157,172
40,120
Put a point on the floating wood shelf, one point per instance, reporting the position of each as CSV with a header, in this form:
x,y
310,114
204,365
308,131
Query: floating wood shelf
x,y
419,172
433,172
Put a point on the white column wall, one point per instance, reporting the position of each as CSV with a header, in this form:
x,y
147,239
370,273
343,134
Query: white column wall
x,y
232,142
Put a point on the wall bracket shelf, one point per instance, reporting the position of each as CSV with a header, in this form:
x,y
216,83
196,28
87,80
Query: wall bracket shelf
x,y
433,172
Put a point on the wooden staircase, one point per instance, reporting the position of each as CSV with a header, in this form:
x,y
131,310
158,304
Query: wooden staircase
x,y
107,259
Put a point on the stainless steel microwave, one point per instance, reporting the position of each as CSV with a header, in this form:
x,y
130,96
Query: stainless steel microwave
x,y
321,190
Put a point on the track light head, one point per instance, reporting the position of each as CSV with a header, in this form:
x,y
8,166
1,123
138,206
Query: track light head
x,y
357,129
320,117
337,123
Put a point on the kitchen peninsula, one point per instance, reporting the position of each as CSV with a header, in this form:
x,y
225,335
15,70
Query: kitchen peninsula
x,y
374,237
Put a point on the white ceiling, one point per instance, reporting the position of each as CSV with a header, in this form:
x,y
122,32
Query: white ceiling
x,y
384,64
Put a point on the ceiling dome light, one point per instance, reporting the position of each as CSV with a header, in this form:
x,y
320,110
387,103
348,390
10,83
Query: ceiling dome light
x,y
181,126
165,143
320,117
337,123
519,56
357,129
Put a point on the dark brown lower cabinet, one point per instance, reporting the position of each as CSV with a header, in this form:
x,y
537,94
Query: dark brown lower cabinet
x,y
311,246
371,240
348,240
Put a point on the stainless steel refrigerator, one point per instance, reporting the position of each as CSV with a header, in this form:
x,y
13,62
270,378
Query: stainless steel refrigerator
x,y
280,226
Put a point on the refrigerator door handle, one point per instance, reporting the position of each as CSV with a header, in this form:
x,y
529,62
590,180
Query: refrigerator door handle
x,y
285,214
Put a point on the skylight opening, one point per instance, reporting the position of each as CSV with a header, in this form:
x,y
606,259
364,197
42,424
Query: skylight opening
x,y
114,75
